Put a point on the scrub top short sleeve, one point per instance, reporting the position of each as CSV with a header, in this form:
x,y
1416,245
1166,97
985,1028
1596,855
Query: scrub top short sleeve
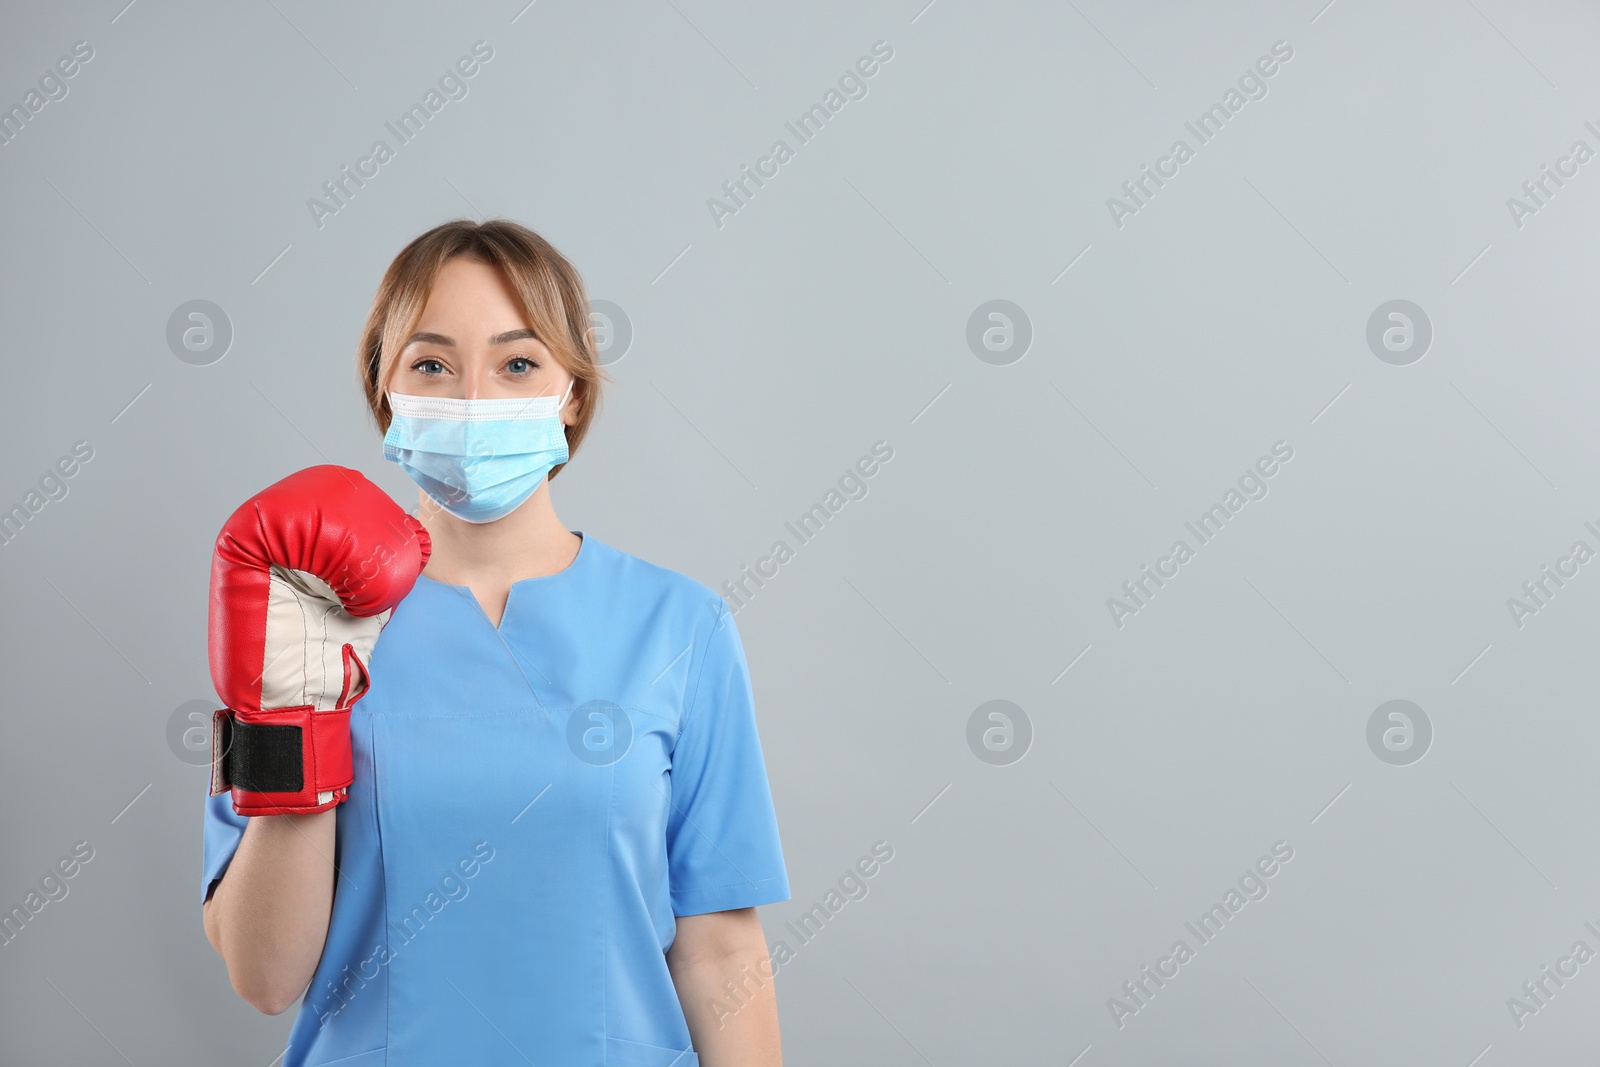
x,y
224,829
723,849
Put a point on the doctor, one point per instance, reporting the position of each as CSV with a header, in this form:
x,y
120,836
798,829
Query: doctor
x,y
486,790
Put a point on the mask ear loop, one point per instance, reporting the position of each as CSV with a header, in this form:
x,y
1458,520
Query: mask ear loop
x,y
565,395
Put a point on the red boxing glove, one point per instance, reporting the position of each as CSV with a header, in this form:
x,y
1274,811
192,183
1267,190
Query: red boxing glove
x,y
304,576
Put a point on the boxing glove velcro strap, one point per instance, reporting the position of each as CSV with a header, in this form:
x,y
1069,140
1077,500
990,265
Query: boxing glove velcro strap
x,y
262,757
284,757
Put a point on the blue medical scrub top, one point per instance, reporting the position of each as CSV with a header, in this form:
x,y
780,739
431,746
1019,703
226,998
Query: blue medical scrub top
x,y
533,804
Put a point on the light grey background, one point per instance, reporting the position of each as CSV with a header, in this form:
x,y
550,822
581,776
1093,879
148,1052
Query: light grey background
x,y
770,353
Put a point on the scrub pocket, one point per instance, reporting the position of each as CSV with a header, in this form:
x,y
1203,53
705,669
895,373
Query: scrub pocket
x,y
620,1053
376,1058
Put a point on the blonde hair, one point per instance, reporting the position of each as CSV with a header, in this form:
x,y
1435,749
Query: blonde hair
x,y
546,285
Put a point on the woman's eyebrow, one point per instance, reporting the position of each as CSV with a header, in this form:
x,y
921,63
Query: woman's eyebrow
x,y
449,342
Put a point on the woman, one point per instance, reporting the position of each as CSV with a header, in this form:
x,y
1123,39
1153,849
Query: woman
x,y
557,823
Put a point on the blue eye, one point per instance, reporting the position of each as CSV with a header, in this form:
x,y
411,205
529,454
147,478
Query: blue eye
x,y
418,365
528,363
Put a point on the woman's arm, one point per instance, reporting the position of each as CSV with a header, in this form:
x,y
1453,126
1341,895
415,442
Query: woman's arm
x,y
723,974
268,916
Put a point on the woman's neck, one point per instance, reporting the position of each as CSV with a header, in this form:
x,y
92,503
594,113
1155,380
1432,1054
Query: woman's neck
x,y
528,543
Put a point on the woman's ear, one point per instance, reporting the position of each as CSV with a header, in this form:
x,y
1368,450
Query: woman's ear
x,y
569,410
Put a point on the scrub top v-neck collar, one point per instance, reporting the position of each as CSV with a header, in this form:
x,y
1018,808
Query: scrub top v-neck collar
x,y
466,591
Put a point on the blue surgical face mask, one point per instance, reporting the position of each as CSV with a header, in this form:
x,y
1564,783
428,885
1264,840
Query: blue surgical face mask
x,y
477,459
